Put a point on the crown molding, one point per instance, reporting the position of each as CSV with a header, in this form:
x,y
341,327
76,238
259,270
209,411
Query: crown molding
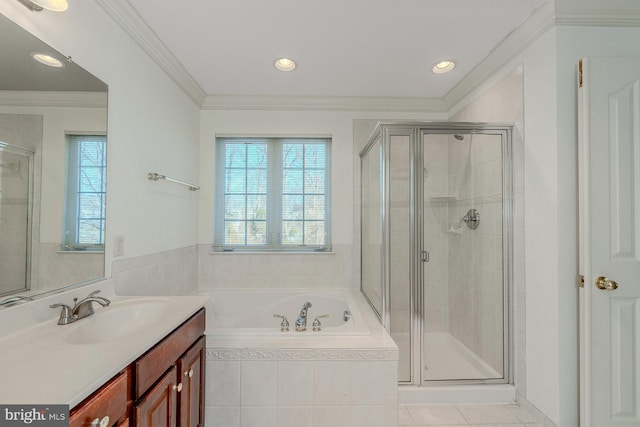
x,y
598,18
324,103
129,20
19,98
539,22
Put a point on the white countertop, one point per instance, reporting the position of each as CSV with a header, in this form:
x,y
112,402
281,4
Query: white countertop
x,y
39,366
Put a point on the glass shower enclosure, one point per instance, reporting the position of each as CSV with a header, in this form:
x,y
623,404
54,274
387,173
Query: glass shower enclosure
x,y
436,247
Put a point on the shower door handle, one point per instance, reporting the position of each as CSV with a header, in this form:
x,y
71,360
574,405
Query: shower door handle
x,y
424,256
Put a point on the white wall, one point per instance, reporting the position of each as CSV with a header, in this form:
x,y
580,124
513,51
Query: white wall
x,y
152,126
541,227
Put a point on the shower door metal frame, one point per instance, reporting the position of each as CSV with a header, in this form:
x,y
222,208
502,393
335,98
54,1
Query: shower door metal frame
x,y
506,133
30,155
383,316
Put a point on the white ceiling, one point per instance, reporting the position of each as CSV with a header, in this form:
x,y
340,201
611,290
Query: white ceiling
x,y
381,48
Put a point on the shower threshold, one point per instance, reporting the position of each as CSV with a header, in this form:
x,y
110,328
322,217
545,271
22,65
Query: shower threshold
x,y
457,394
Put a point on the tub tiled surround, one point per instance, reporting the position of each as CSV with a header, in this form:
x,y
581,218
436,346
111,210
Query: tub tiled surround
x,y
172,272
310,387
275,270
57,268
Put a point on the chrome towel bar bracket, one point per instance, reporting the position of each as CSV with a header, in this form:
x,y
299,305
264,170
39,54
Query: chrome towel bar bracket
x,y
153,176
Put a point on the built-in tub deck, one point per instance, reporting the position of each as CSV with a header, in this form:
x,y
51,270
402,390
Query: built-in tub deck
x,y
346,374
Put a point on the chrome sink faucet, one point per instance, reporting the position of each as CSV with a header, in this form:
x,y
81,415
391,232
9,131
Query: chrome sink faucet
x,y
81,309
301,321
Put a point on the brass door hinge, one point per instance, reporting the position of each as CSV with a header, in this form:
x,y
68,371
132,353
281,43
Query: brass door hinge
x,y
580,281
580,73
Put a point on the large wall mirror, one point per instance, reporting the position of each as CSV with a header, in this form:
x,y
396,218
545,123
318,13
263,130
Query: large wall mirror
x,y
53,123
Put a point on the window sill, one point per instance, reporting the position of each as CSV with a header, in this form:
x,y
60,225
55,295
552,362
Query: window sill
x,y
80,251
238,252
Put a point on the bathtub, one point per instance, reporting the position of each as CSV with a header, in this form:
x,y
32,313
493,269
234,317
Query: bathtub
x,y
242,312
346,374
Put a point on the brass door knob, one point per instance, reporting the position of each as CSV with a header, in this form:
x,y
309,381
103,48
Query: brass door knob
x,y
606,284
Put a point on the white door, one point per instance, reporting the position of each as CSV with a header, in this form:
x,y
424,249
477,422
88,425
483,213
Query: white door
x,y
609,168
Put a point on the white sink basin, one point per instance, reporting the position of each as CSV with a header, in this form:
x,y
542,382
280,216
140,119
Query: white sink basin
x,y
118,320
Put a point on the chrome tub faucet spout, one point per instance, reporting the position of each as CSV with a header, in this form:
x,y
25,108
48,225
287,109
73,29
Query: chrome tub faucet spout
x,y
301,321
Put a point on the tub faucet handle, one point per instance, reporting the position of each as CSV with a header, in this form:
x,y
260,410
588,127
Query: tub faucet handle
x,y
316,322
284,325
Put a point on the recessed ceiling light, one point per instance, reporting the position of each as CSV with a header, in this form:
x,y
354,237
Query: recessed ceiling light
x,y
47,60
443,67
55,5
285,64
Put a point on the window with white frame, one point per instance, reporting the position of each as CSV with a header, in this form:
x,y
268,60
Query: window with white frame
x,y
272,194
86,169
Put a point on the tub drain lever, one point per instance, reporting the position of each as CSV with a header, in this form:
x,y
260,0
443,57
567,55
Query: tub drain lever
x,y
316,323
284,325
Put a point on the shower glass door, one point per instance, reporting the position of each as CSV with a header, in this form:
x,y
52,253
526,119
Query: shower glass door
x,y
399,259
15,218
464,328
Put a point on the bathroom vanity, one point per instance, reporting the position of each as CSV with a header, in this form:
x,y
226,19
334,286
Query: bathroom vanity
x,y
164,387
139,361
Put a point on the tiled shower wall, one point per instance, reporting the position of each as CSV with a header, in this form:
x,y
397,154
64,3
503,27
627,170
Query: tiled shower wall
x,y
436,226
475,256
503,102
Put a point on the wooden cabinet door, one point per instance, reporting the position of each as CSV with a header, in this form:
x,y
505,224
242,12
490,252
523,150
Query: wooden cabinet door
x,y
159,406
192,373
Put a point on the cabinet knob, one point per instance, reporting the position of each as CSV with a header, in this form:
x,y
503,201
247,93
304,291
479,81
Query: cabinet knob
x,y
177,388
188,373
104,422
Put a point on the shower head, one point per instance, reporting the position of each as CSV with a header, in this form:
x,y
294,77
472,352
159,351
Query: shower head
x,y
458,136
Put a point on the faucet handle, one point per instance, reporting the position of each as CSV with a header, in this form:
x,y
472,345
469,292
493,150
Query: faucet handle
x,y
284,325
316,322
65,314
96,292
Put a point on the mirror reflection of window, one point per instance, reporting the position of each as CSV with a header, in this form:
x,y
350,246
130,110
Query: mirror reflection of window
x,y
84,218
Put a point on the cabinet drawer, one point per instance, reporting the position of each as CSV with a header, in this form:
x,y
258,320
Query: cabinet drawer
x,y
156,361
110,401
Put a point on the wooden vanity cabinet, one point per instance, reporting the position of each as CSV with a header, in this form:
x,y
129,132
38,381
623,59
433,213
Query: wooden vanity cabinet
x,y
191,367
163,388
169,378
109,405
159,406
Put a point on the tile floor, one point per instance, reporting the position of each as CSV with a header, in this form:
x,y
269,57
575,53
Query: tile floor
x,y
465,415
